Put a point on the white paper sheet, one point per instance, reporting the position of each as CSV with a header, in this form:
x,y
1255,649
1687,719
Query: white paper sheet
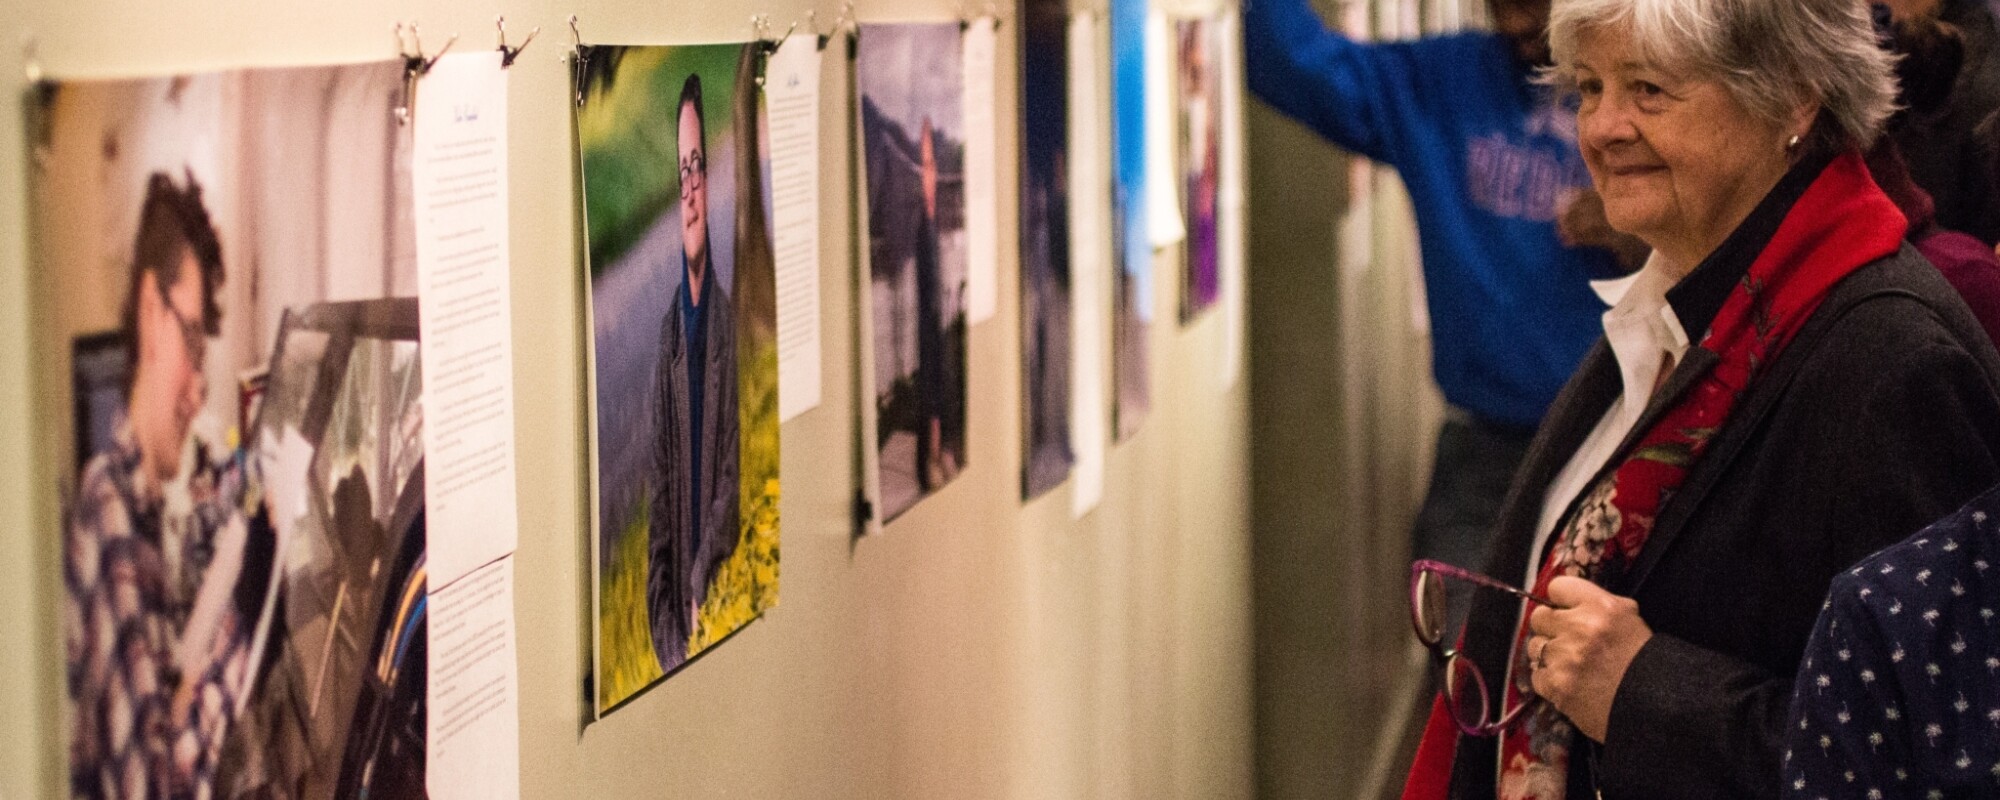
x,y
459,172
791,93
982,210
474,688
1090,237
1230,236
460,176
1163,199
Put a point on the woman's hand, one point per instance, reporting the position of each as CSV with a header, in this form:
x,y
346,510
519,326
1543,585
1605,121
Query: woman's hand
x,y
1580,651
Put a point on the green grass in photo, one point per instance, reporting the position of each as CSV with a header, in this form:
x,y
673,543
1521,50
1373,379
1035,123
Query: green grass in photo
x,y
747,583
625,653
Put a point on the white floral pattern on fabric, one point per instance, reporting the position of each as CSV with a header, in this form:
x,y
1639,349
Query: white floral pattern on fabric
x,y
1890,703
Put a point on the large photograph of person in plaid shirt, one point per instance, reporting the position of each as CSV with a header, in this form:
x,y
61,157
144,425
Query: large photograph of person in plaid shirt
x,y
225,270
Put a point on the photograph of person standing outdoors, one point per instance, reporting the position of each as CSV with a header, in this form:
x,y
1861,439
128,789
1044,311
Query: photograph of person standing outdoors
x,y
683,314
694,510
911,86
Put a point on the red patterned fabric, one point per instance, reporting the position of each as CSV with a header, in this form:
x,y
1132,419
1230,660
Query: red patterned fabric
x,y
1842,222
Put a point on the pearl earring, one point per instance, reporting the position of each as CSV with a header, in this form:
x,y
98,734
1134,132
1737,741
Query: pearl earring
x,y
1792,145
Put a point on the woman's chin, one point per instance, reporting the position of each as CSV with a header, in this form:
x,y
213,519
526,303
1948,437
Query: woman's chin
x,y
1631,219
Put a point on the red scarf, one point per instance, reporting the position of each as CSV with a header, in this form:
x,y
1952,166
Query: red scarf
x,y
1842,222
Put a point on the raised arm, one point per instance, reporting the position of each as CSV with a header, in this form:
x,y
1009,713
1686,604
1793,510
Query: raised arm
x,y
1342,89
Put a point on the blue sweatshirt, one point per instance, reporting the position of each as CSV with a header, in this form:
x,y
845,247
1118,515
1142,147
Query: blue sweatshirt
x,y
1488,157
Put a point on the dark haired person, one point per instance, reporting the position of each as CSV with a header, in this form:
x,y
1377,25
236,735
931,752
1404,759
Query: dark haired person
x,y
150,676
1491,162
1948,153
694,510
1931,53
934,463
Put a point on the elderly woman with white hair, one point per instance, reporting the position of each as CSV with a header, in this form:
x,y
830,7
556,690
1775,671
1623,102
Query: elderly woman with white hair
x,y
1785,387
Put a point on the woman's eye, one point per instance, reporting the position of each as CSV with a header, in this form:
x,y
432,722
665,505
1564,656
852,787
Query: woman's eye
x,y
1645,89
1589,86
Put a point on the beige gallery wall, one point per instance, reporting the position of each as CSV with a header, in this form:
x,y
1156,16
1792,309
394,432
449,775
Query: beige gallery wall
x,y
979,648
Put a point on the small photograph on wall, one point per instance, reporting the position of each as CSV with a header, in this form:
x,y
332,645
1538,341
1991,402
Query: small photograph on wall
x,y
683,315
913,151
227,265
1045,286
1132,249
1200,144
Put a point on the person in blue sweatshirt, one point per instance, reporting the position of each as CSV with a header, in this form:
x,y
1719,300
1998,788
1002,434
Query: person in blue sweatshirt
x,y
1510,233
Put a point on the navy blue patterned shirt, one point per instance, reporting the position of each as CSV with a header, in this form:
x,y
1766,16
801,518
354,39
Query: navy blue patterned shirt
x,y
1899,692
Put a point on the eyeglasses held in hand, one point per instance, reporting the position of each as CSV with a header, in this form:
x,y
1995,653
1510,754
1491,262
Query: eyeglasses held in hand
x,y
1466,691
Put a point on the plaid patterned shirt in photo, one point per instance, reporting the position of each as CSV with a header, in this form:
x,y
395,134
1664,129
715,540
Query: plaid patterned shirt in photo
x,y
132,566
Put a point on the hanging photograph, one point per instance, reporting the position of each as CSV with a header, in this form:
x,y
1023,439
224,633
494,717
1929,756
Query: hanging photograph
x,y
1045,262
227,272
913,151
683,318
1200,144
1132,249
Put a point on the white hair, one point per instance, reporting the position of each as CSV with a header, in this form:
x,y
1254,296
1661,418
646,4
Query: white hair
x,y
1773,56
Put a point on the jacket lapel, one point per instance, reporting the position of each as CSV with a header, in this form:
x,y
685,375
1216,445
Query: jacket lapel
x,y
711,400
1729,442
1694,365
1490,628
678,423
1575,412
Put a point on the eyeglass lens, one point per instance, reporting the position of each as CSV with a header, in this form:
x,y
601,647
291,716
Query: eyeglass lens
x,y
1430,608
1465,691
692,170
193,337
1438,607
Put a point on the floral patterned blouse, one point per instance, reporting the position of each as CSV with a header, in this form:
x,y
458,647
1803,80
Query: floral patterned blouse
x,y
1899,692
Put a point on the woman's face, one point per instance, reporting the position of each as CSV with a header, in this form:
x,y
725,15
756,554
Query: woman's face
x,y
1678,161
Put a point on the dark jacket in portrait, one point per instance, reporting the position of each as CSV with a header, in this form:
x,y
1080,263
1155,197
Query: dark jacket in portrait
x,y
684,556
1949,152
1881,415
930,373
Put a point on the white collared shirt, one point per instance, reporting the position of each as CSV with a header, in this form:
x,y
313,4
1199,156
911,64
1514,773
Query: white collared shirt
x,y
1647,340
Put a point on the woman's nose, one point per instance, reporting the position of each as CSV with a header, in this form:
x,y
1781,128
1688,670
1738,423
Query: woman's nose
x,y
1605,123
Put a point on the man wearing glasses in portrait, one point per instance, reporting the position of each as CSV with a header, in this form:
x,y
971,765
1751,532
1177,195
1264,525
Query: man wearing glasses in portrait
x,y
694,510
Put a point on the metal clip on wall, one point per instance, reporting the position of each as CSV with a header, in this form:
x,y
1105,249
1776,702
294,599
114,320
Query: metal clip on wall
x,y
43,92
31,59
840,23
415,64
760,26
578,58
508,54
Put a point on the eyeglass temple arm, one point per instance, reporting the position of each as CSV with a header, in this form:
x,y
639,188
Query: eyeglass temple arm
x,y
1428,565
